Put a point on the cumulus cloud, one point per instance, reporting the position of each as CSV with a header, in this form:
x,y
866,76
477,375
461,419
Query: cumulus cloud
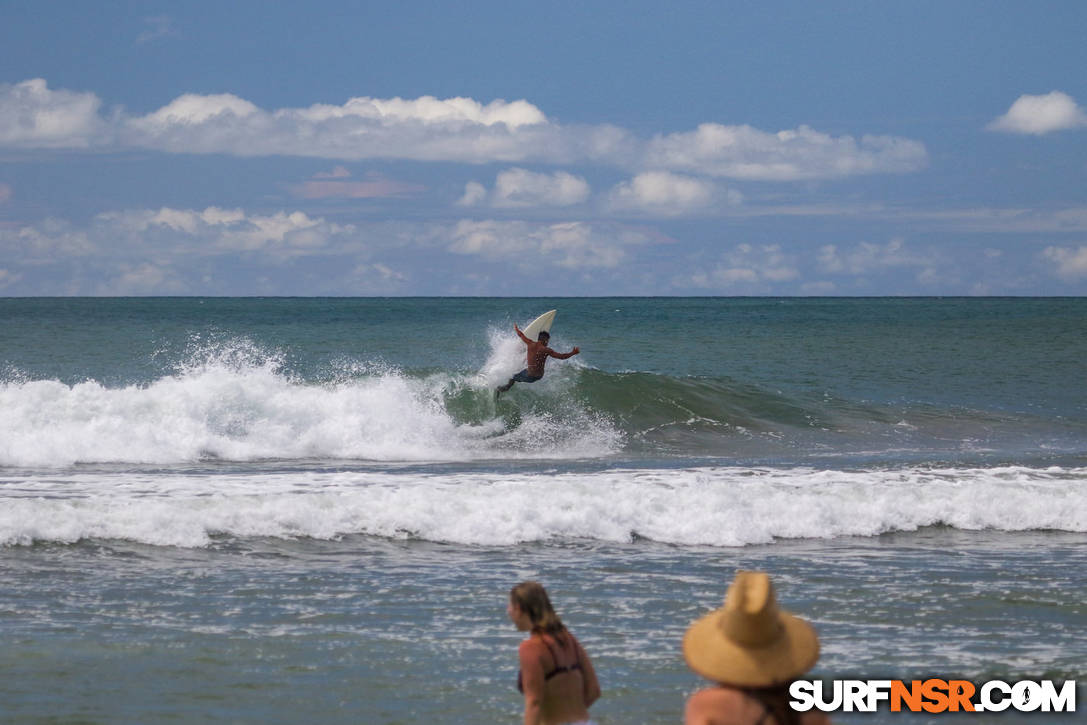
x,y
515,188
1040,115
220,250
428,110
47,241
474,193
281,235
569,244
518,187
751,266
743,152
176,233
192,110
443,130
176,251
866,257
668,194
1070,263
422,129
33,116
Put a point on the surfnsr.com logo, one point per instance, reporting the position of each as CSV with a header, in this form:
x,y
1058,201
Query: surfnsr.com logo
x,y
933,696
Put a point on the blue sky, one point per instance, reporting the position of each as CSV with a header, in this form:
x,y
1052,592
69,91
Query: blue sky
x,y
508,148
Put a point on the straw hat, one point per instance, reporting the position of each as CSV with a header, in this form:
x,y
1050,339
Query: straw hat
x,y
750,642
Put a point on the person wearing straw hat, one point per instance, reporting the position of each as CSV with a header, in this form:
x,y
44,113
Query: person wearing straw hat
x,y
753,650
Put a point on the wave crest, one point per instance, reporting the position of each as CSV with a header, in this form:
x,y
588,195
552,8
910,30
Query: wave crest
x,y
710,506
236,403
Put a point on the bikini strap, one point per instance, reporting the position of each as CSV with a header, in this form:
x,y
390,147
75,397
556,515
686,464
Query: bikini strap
x,y
562,668
769,711
550,650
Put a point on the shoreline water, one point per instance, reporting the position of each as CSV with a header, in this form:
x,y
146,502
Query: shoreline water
x,y
352,630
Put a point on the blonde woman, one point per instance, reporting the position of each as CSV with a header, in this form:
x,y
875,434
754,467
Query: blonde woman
x,y
753,651
557,676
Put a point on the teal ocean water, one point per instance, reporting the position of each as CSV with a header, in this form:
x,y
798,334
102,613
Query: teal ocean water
x,y
311,510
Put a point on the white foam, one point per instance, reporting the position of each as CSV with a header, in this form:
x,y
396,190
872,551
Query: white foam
x,y
236,404
711,506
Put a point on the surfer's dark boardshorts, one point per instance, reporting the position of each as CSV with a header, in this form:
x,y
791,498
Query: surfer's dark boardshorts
x,y
524,377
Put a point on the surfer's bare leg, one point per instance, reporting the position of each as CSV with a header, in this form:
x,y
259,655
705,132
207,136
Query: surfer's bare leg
x,y
503,388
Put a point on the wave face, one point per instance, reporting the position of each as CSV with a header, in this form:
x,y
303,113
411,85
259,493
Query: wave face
x,y
233,401
720,417
710,506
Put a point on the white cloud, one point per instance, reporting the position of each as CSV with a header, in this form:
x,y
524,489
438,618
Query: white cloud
x,y
668,194
223,250
33,116
428,110
474,193
46,242
423,129
1040,115
443,130
1071,264
570,244
280,235
747,265
192,109
174,233
519,188
865,258
743,152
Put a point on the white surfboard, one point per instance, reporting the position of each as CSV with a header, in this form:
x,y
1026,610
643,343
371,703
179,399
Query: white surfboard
x,y
540,324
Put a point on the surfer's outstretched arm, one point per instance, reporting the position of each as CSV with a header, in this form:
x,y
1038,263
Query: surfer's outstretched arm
x,y
521,334
563,355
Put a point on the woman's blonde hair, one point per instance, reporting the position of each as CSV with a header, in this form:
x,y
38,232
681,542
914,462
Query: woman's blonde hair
x,y
531,598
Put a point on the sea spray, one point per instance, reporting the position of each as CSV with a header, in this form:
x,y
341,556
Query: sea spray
x,y
234,402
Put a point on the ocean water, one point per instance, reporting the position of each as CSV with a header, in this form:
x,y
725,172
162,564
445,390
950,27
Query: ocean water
x,y
311,510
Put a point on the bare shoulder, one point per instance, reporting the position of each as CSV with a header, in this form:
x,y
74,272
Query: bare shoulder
x,y
717,696
714,706
532,647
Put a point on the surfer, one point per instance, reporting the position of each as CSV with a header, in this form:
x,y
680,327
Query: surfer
x,y
557,676
538,352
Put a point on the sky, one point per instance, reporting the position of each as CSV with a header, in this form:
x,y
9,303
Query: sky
x,y
543,149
